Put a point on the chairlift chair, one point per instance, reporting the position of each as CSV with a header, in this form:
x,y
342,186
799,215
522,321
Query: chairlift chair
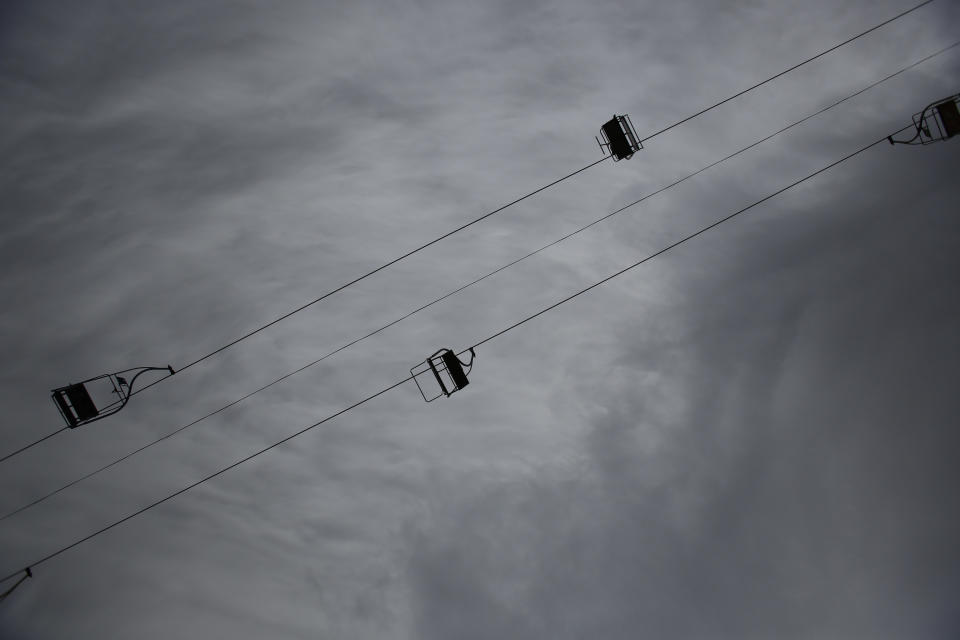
x,y
448,371
77,406
619,138
938,121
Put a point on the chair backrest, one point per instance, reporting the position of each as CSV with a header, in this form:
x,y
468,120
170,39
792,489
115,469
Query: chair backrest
x,y
950,117
75,403
455,368
620,147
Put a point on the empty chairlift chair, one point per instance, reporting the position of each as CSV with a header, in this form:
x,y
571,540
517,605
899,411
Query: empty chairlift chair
x,y
940,120
448,372
76,402
619,138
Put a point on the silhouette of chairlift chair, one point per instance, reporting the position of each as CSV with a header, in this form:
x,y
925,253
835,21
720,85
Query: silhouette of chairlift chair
x,y
938,121
77,407
447,369
619,138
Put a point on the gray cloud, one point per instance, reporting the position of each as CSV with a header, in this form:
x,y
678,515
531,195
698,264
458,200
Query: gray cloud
x,y
746,437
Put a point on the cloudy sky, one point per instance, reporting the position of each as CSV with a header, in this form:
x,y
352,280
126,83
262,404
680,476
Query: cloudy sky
x,y
752,436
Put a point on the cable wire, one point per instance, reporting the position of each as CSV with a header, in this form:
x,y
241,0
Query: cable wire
x,y
678,243
498,210
786,71
377,270
394,385
470,284
205,479
32,444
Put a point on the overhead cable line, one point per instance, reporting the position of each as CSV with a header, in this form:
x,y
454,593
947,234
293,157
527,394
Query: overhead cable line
x,y
786,71
532,193
404,380
380,268
470,284
32,444
201,481
679,242
614,154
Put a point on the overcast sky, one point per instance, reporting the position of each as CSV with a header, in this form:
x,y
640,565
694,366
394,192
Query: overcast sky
x,y
752,436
